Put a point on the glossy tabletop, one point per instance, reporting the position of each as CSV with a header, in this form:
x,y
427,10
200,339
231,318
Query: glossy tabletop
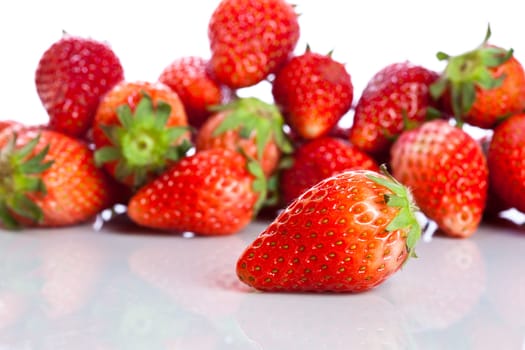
x,y
115,286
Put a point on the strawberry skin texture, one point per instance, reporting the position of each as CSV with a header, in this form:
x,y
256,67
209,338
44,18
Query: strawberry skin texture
x,y
333,238
447,172
71,77
396,89
189,77
250,39
131,93
209,193
506,161
492,105
318,159
313,91
76,190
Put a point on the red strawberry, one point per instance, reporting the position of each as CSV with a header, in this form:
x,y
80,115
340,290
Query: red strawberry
x,y
250,124
447,172
348,233
506,161
314,91
198,90
71,77
397,95
250,39
49,179
209,193
140,128
318,159
482,86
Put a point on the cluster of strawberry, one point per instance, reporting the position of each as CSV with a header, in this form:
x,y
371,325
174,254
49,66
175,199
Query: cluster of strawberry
x,y
186,153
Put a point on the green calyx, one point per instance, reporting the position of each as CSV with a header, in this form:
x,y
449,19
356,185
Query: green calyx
x,y
20,175
251,116
400,198
467,72
143,144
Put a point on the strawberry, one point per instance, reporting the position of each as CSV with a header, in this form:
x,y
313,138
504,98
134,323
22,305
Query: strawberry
x,y
447,172
250,39
49,179
318,159
506,161
348,233
190,78
71,77
313,91
482,86
209,193
397,97
250,124
140,128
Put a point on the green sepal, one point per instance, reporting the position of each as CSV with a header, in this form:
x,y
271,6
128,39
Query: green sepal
x,y
143,144
21,175
250,116
400,198
259,185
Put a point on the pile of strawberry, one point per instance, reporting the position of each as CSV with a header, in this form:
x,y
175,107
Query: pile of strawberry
x,y
186,153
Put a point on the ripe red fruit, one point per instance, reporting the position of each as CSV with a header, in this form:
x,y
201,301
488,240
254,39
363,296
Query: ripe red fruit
x,y
210,193
250,124
313,91
190,78
348,233
250,39
447,172
140,128
71,77
396,98
318,159
482,86
506,161
50,179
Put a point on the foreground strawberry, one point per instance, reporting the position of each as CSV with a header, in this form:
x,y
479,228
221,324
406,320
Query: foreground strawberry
x,y
71,77
348,233
318,159
313,91
397,97
190,78
482,86
49,179
250,124
249,39
214,192
447,172
506,161
140,128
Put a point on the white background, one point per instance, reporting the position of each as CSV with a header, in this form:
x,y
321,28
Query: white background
x,y
365,35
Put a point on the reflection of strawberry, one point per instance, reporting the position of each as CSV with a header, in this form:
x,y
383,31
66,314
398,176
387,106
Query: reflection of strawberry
x,y
49,179
140,128
432,307
313,91
348,233
367,322
71,77
189,77
71,268
447,172
249,39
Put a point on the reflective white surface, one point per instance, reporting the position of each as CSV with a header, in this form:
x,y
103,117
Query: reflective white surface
x,y
125,288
